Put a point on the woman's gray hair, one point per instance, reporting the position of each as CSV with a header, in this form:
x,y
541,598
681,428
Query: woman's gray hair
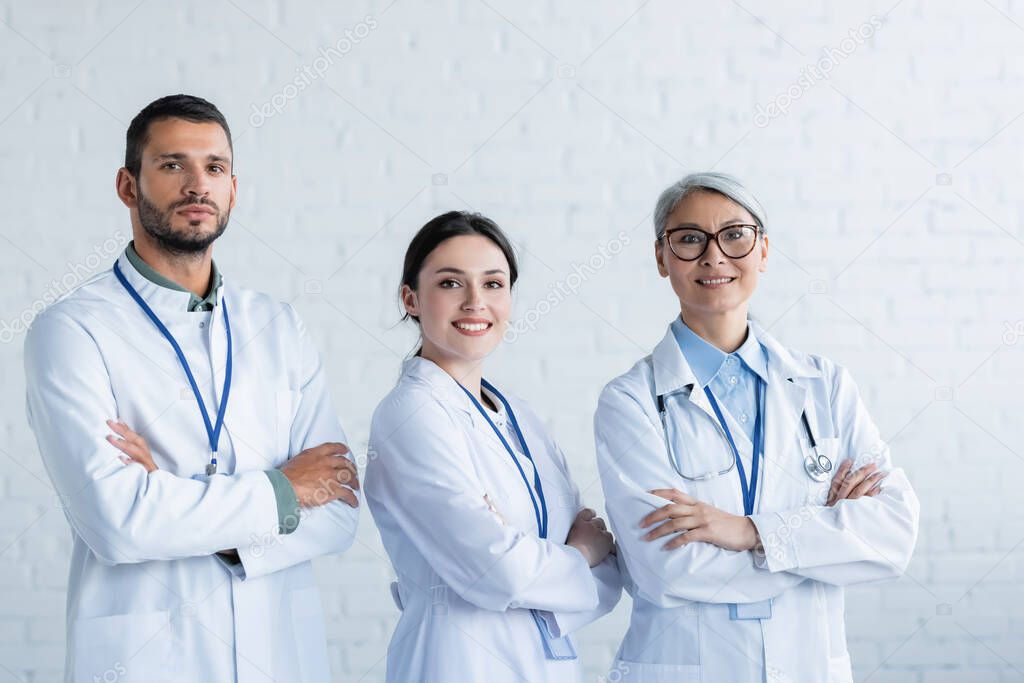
x,y
722,183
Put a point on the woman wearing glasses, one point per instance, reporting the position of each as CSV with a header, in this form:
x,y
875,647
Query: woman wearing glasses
x,y
745,481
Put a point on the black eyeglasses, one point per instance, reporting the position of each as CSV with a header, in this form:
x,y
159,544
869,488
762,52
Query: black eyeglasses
x,y
735,241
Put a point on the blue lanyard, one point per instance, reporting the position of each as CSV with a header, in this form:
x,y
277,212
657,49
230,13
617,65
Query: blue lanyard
x,y
560,648
749,490
540,511
212,430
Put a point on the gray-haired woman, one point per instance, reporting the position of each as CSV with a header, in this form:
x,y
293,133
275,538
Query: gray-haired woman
x,y
745,481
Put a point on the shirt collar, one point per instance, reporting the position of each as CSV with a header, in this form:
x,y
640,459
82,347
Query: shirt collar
x,y
194,302
706,359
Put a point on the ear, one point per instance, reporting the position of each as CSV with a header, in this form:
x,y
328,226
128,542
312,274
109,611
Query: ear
x,y
127,188
659,257
410,301
763,265
234,191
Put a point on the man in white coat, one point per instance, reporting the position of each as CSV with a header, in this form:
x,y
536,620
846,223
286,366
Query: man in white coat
x,y
192,536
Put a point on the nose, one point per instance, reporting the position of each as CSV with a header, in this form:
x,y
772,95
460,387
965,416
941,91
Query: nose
x,y
474,300
196,185
713,254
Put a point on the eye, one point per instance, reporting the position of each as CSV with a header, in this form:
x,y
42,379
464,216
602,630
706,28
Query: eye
x,y
450,283
733,234
217,169
169,164
494,284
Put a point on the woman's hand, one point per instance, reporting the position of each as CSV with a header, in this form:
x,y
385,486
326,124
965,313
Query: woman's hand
x,y
133,446
849,484
692,520
591,537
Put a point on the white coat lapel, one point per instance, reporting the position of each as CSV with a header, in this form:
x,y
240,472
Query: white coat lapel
x,y
673,373
786,399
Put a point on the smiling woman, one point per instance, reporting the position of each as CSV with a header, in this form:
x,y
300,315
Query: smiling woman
x,y
498,561
716,454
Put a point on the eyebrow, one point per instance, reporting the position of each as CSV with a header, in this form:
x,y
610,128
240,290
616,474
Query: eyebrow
x,y
178,156
724,224
492,271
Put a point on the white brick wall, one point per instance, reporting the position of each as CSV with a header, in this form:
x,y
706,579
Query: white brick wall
x,y
892,189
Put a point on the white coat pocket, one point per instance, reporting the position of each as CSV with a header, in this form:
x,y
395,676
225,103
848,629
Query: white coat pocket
x,y
135,647
817,491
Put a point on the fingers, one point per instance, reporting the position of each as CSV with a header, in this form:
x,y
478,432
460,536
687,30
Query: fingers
x,y
675,496
347,473
666,512
837,480
672,526
331,448
868,484
348,497
126,433
688,537
586,514
852,480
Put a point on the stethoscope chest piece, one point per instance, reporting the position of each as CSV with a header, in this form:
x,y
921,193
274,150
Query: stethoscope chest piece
x,y
818,466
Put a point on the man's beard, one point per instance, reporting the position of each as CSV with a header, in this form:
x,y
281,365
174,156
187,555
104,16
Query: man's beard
x,y
191,241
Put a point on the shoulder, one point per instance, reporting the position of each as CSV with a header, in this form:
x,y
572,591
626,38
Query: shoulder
x,y
261,308
636,385
68,317
411,405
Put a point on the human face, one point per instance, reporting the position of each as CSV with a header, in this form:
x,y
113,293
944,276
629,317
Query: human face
x,y
185,191
713,284
463,300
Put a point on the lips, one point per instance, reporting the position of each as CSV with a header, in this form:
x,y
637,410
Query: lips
x,y
195,211
715,282
472,327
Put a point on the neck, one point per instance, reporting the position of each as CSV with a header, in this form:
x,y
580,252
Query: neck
x,y
466,372
194,272
726,330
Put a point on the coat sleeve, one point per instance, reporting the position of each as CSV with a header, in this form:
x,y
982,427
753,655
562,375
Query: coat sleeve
x,y
855,540
323,530
122,514
605,575
421,471
633,460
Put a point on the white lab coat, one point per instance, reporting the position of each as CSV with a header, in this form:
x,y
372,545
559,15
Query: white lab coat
x,y
147,597
680,628
468,574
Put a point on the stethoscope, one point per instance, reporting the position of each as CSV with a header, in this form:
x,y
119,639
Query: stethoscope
x,y
817,465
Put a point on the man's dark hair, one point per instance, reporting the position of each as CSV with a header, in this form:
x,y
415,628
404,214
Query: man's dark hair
x,y
188,107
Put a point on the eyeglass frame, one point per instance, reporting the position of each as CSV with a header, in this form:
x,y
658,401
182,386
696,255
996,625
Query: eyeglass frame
x,y
758,231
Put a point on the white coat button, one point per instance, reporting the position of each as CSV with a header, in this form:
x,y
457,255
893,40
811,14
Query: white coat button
x,y
743,417
733,380
202,325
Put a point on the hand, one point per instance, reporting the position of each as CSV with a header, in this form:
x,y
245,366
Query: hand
x,y
590,536
849,485
322,474
698,522
133,446
494,509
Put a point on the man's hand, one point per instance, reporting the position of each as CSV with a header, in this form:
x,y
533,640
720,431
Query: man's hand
x,y
691,520
322,474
